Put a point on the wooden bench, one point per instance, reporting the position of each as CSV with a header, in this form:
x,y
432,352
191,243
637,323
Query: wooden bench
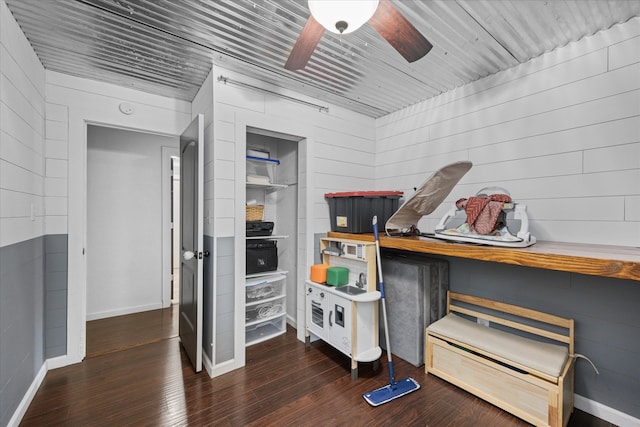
x,y
523,363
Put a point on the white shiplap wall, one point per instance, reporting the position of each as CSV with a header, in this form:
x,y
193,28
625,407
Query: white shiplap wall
x,y
22,191
203,104
341,155
56,152
22,112
337,152
561,133
73,103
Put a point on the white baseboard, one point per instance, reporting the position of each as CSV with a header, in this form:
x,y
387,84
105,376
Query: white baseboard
x,y
604,412
58,362
28,397
208,366
292,321
222,368
123,311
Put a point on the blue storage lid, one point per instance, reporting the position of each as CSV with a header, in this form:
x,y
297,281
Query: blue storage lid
x,y
262,159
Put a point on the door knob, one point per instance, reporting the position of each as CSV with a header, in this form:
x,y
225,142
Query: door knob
x,y
188,255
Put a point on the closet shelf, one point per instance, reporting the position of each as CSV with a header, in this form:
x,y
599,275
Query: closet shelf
x,y
274,237
265,273
266,187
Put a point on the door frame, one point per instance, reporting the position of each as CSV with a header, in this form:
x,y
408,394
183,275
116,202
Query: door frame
x,y
284,129
167,265
77,230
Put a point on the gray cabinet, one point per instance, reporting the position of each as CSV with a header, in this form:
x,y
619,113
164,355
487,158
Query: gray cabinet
x,y
416,296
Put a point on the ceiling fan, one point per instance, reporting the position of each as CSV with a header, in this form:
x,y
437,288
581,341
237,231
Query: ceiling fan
x,y
345,16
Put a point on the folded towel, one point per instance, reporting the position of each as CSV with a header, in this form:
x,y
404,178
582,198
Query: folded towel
x,y
483,211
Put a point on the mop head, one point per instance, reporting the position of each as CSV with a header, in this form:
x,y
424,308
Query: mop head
x,y
389,392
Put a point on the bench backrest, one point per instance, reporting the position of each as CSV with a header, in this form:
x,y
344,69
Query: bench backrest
x,y
567,336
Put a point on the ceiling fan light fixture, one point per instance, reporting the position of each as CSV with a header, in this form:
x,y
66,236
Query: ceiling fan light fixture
x,y
342,16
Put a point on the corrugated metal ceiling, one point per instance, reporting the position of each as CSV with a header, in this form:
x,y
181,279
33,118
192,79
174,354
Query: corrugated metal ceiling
x,y
167,47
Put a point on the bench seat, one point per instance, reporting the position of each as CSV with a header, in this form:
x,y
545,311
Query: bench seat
x,y
523,362
539,356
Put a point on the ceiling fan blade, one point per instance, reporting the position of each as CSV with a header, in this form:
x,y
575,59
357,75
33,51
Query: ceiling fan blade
x,y
399,32
305,45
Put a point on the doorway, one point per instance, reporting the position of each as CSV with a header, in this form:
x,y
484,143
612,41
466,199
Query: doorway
x,y
125,242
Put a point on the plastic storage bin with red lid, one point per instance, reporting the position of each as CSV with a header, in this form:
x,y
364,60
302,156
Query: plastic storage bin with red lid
x,y
353,211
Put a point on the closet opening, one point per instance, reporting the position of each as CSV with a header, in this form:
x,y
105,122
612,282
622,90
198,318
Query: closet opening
x,y
273,210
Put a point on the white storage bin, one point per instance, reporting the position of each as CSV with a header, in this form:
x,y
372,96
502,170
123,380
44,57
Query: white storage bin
x,y
263,331
261,171
265,310
265,288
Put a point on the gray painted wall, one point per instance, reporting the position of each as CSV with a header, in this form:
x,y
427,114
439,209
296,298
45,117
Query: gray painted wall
x,y
207,296
224,300
55,295
33,312
21,321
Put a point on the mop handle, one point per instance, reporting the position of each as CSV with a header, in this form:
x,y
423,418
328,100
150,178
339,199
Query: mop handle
x,y
392,379
378,262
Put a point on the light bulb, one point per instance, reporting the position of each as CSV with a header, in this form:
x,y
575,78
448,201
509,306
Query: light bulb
x,y
342,16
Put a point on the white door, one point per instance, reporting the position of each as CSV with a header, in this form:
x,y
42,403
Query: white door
x,y
340,323
191,229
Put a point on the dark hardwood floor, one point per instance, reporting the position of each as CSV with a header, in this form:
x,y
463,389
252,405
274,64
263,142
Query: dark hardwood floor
x,y
149,382
122,332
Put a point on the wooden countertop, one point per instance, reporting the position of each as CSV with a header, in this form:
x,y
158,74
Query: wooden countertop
x,y
620,262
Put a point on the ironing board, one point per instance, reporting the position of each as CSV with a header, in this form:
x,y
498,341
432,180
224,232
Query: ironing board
x,y
427,198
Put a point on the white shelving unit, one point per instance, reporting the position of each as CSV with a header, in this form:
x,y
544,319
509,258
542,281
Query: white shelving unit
x,y
265,307
266,292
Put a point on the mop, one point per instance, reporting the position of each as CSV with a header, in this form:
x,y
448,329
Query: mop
x,y
394,389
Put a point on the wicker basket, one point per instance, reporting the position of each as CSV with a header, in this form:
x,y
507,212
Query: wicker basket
x,y
254,212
